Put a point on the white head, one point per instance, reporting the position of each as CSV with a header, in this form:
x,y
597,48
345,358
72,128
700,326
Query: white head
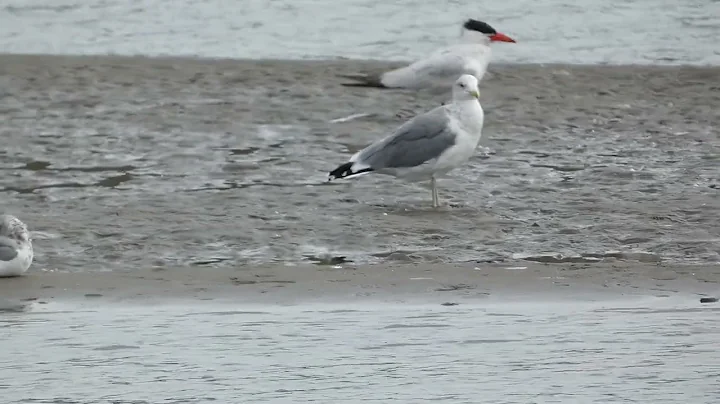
x,y
14,228
466,88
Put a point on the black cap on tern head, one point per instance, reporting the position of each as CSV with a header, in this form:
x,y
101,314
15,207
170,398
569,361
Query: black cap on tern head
x,y
479,26
485,29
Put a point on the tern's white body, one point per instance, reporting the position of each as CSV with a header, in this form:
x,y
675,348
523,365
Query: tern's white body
x,y
471,56
442,67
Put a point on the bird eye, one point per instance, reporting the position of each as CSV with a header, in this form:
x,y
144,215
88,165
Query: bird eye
x,y
462,85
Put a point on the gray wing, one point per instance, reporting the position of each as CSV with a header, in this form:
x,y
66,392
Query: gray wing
x,y
417,141
454,61
8,249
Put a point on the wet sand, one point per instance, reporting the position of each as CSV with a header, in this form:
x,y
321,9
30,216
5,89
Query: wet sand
x,y
134,162
521,92
402,283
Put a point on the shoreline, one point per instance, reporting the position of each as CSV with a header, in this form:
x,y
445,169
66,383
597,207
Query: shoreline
x,y
404,283
24,57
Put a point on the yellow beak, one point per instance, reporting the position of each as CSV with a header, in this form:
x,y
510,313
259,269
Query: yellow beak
x,y
475,94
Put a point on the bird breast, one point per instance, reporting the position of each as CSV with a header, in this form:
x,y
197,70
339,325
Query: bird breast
x,y
472,119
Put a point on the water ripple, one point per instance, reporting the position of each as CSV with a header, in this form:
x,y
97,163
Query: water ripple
x,y
193,358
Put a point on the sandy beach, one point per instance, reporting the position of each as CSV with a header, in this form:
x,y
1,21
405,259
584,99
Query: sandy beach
x,y
133,166
112,157
403,283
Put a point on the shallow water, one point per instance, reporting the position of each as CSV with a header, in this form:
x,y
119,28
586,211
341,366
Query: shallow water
x,y
643,351
616,31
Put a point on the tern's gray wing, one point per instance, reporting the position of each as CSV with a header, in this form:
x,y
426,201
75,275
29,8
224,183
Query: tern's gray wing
x,y
8,249
417,141
443,63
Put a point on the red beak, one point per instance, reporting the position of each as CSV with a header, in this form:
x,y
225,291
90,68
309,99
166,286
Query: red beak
x,y
501,38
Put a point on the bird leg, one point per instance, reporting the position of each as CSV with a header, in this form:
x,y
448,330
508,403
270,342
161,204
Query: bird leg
x,y
435,201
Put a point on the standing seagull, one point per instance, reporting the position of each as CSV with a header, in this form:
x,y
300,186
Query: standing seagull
x,y
444,65
428,145
16,251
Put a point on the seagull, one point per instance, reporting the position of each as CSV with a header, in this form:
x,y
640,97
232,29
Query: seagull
x,y
16,251
443,66
428,145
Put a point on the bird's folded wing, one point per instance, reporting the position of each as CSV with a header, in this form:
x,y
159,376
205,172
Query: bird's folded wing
x,y
8,249
420,140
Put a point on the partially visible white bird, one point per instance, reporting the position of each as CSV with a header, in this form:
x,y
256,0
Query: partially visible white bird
x,y
16,251
443,66
428,145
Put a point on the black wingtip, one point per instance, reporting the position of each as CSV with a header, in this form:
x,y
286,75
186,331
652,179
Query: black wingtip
x,y
345,170
363,80
342,171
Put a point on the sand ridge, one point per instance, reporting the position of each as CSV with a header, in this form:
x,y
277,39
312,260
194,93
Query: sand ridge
x,y
279,284
131,104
